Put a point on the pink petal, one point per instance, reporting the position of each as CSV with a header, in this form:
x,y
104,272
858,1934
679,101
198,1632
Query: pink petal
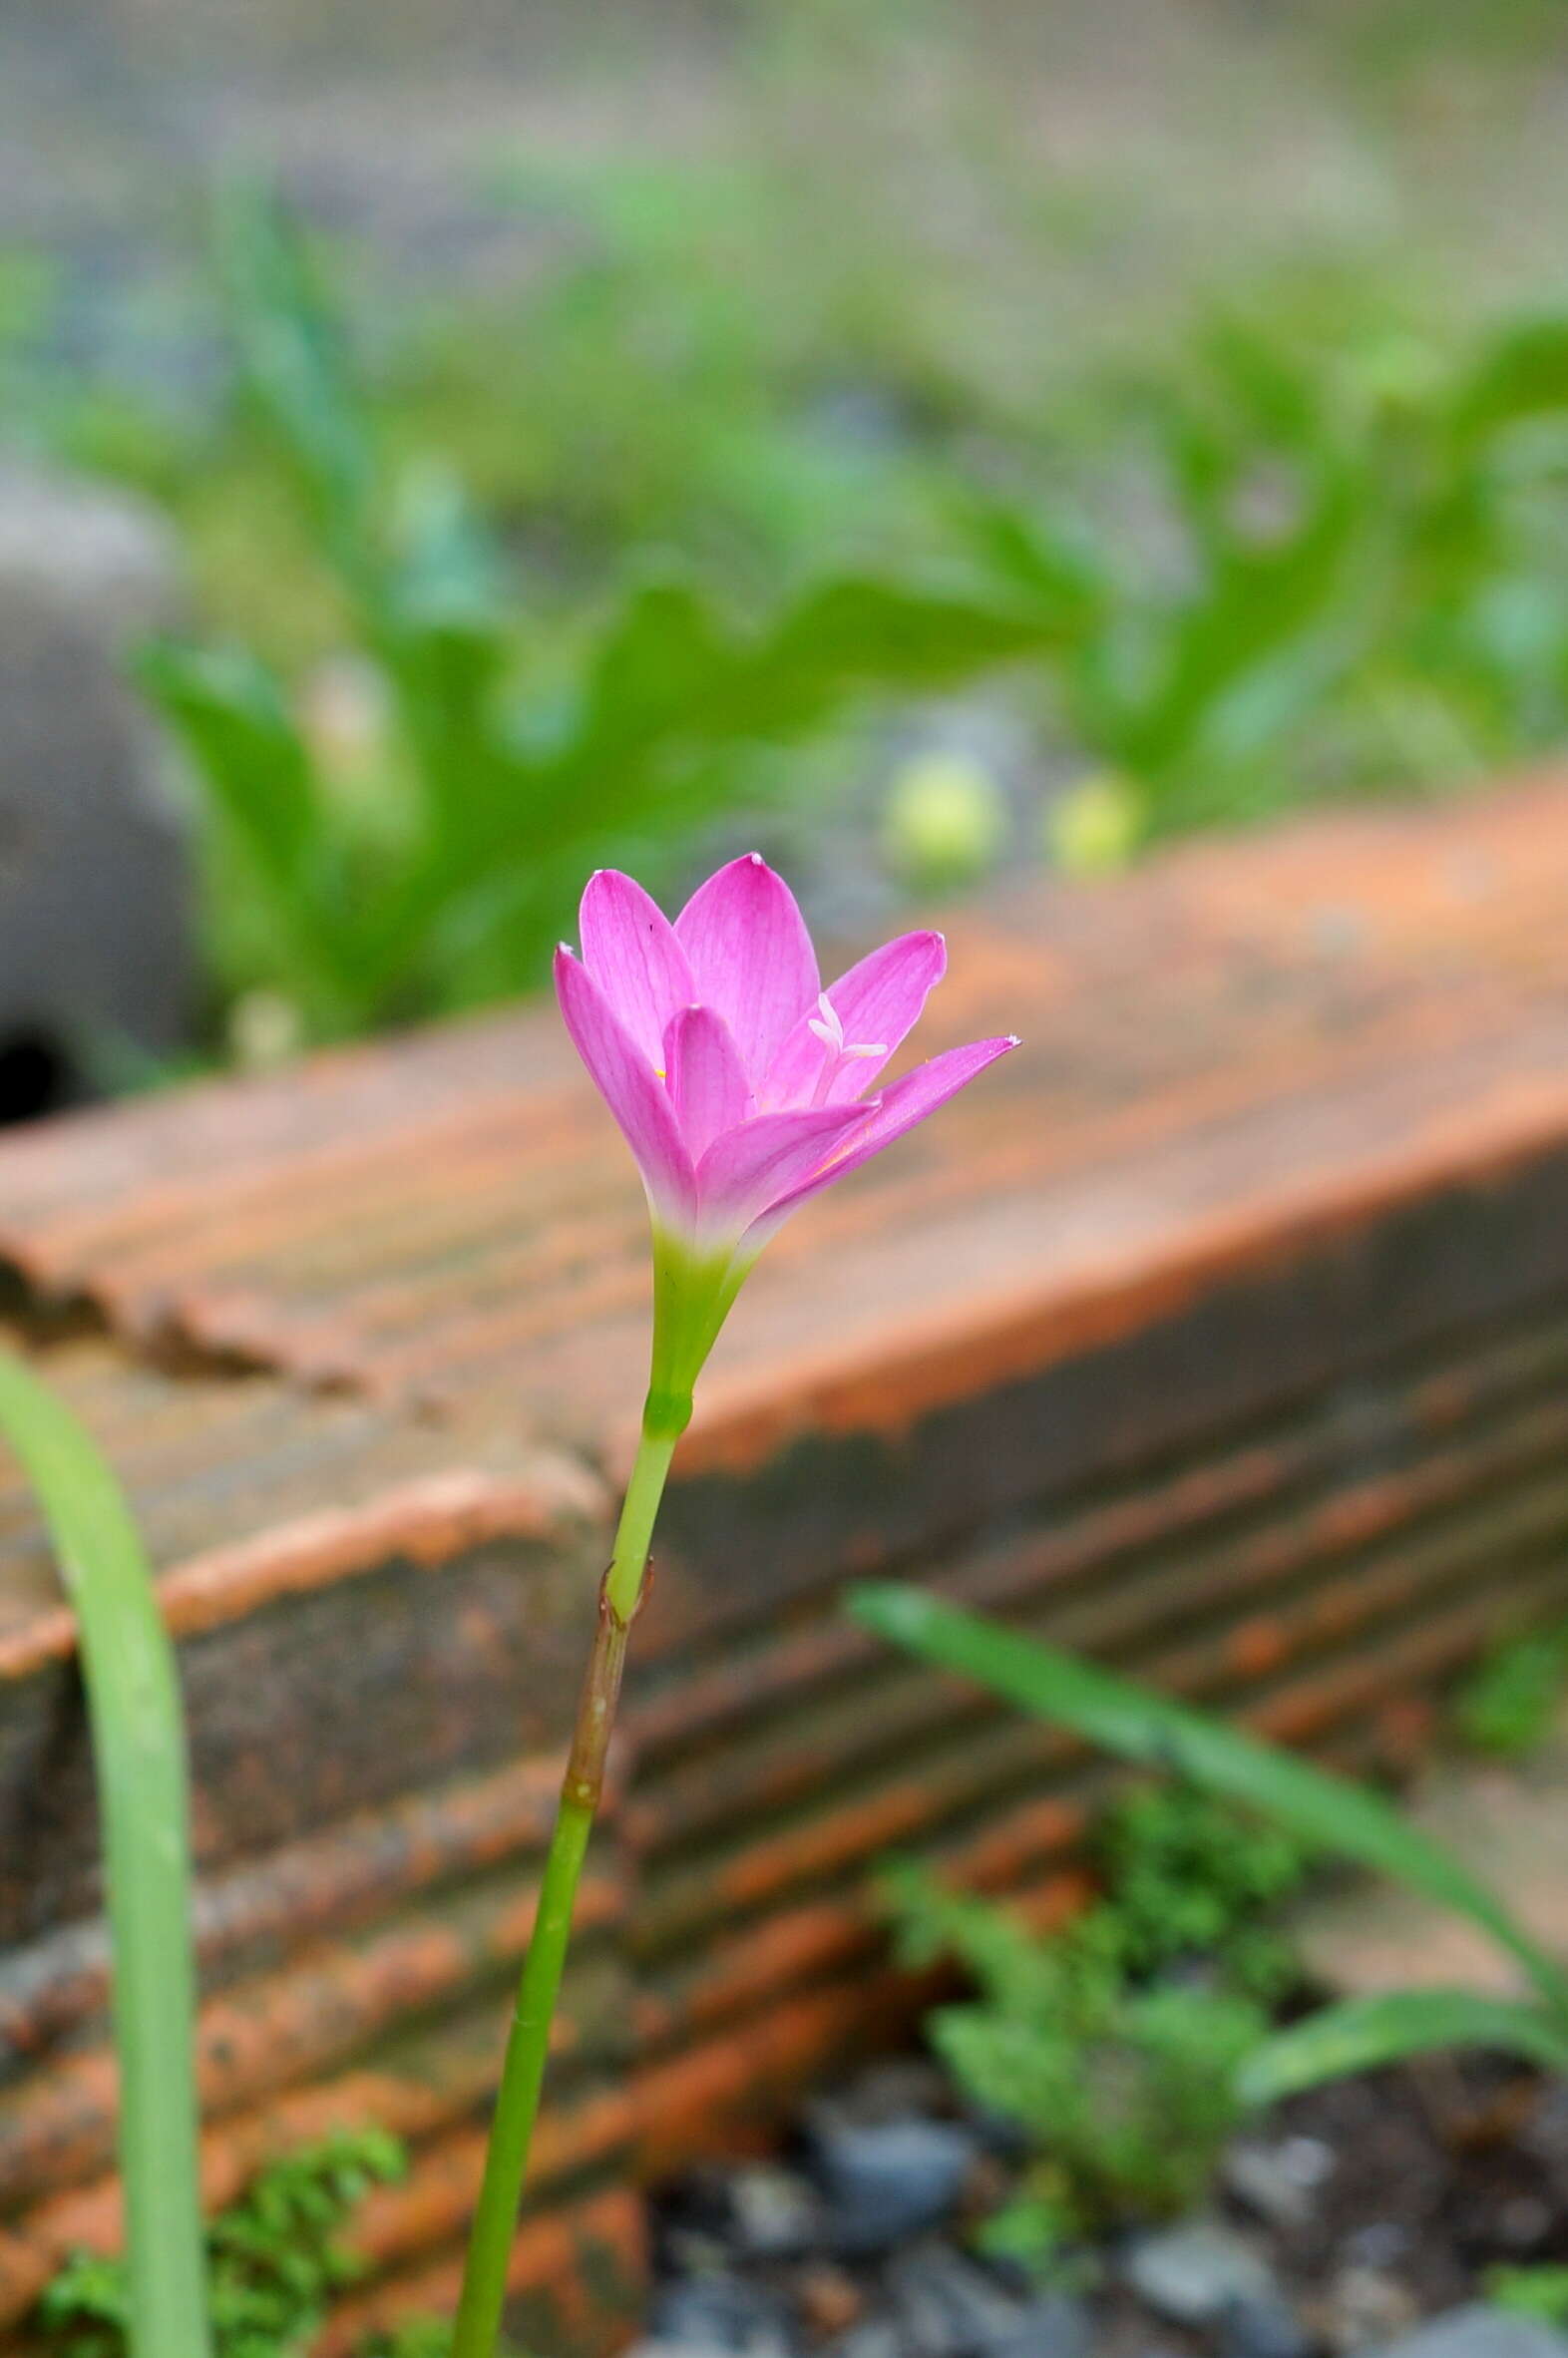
x,y
630,948
703,1075
751,955
742,1172
907,1102
631,1088
880,1001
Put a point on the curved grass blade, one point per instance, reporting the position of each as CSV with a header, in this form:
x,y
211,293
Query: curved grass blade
x,y
140,1763
1363,2034
1338,1817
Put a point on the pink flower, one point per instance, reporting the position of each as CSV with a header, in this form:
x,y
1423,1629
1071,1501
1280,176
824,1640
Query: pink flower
x,y
740,1084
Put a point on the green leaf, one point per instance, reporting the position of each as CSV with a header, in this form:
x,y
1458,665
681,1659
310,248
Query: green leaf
x,y
1509,1703
674,703
1537,2289
856,633
139,1755
1055,568
1522,375
1363,2034
292,359
1335,1816
668,678
660,658
232,714
257,772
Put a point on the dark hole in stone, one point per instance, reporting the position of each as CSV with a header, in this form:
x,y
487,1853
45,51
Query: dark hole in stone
x,y
34,1077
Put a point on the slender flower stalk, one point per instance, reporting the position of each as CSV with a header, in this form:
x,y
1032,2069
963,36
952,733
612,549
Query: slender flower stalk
x,y
740,1087
528,2042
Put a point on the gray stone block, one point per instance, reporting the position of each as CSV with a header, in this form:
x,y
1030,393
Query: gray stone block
x,y
95,883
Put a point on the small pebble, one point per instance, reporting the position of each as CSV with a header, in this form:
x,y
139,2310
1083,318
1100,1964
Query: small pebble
x,y
661,2349
696,2251
1524,2222
1380,2244
899,2088
1278,2181
721,2313
1262,2329
829,2300
1195,2273
1545,2134
887,2182
658,2346
997,2136
1479,2331
878,2338
947,2307
1309,2162
1054,2325
772,2214
1364,2308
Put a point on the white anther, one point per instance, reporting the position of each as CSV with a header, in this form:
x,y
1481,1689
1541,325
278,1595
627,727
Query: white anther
x,y
827,1024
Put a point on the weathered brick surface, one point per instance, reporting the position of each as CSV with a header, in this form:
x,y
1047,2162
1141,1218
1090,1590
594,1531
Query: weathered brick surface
x,y
1221,1332
380,1631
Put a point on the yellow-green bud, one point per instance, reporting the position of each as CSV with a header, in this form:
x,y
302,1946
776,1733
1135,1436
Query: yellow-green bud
x,y
945,819
1096,826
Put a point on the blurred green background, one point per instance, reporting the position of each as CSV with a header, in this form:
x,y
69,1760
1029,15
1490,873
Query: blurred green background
x,y
918,438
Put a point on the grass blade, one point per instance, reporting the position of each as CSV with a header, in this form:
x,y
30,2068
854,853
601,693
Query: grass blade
x,y
1363,2034
1338,1817
140,1761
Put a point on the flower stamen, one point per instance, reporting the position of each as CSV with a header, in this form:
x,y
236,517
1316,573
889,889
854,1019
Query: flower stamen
x,y
828,1025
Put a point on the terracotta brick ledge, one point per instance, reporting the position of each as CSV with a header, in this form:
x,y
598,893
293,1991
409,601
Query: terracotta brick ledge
x,y
1222,1331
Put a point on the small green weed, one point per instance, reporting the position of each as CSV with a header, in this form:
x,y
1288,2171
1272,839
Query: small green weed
x,y
1116,2044
276,2261
1334,1816
1509,1703
1540,2291
1189,1878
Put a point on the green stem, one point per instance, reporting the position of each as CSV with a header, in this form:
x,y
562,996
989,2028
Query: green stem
x,y
528,2043
138,1757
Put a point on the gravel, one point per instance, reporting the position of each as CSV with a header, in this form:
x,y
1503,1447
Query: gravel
x,y
1358,2222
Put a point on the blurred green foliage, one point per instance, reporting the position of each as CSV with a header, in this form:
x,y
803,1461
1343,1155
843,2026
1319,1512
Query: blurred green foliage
x,y
1328,1815
1310,557
1350,575
1511,1701
1537,2289
1190,1877
1272,509
1115,2043
423,853
275,2257
278,2264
